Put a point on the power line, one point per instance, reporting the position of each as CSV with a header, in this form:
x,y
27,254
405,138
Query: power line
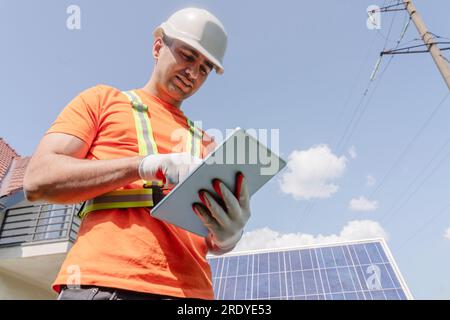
x,y
429,175
428,39
408,146
346,104
436,36
425,225
344,108
386,8
311,204
386,38
359,112
407,50
419,186
445,58
416,178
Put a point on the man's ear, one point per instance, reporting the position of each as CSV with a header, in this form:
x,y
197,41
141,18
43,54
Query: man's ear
x,y
157,45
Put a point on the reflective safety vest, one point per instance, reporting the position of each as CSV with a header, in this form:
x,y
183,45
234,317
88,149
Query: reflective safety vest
x,y
152,190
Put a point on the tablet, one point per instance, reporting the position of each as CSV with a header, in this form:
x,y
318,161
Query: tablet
x,y
240,152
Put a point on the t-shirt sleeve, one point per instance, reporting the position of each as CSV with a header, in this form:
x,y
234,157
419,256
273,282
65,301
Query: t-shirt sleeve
x,y
80,117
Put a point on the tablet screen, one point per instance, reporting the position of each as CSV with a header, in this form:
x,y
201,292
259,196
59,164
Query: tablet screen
x,y
240,152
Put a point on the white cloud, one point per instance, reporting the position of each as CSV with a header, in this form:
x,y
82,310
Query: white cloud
x,y
370,180
310,173
352,152
266,238
447,234
362,204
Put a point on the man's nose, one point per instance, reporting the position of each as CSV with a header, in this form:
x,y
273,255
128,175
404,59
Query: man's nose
x,y
192,72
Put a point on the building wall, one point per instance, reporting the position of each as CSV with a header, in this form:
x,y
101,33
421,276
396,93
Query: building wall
x,y
14,288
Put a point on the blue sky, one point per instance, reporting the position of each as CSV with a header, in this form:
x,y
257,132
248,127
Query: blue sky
x,y
297,66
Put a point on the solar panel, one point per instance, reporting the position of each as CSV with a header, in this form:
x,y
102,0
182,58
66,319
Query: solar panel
x,y
362,270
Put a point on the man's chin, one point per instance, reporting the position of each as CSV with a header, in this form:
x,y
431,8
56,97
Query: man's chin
x,y
178,93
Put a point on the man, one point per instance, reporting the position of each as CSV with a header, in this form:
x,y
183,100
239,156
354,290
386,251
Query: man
x,y
120,152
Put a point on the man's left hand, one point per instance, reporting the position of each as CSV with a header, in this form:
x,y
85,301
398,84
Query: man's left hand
x,y
225,223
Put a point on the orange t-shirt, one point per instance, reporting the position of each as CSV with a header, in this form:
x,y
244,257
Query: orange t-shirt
x,y
128,248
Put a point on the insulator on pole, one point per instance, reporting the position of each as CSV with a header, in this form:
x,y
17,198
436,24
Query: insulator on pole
x,y
377,66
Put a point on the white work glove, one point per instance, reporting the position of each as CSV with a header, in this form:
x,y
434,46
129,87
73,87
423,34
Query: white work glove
x,y
225,223
170,168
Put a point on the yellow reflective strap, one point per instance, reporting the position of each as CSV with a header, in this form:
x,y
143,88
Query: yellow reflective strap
x,y
140,123
150,134
114,205
147,145
118,199
128,192
137,121
157,183
141,141
194,142
144,131
198,144
190,138
145,126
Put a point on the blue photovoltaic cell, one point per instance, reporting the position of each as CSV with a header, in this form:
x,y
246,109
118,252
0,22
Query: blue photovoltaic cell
x,y
373,253
275,283
327,257
263,263
305,257
353,271
315,259
232,266
338,256
295,261
274,263
243,265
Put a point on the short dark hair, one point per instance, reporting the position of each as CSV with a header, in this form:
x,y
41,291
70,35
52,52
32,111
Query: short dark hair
x,y
167,40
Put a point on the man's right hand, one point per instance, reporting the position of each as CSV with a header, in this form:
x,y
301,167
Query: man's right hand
x,y
169,168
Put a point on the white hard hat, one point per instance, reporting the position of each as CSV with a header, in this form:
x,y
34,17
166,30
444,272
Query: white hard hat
x,y
199,29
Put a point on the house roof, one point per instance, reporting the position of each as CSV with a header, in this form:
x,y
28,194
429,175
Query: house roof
x,y
12,169
13,179
7,154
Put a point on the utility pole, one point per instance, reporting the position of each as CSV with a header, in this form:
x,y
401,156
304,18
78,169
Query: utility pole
x,y
427,38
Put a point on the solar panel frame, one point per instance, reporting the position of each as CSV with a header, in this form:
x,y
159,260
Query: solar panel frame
x,y
326,271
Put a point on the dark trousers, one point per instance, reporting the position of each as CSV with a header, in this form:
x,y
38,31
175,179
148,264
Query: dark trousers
x,y
103,293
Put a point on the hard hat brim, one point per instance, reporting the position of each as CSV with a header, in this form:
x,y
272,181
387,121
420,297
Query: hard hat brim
x,y
165,29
